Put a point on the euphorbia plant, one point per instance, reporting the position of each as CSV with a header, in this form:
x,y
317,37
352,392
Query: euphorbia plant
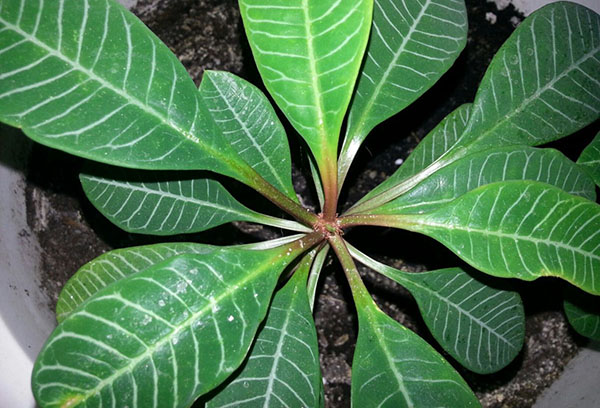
x,y
164,324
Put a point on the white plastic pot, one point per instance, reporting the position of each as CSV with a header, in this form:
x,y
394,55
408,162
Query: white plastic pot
x,y
25,319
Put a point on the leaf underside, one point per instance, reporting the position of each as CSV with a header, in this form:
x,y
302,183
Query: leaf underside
x,y
160,337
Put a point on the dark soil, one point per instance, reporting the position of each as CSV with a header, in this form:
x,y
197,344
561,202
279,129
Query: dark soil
x,y
207,34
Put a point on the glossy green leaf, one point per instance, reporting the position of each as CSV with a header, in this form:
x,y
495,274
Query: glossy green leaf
x,y
480,326
148,203
308,53
282,368
411,45
114,265
583,313
163,336
533,92
249,124
423,161
489,166
544,82
590,159
395,368
89,78
520,229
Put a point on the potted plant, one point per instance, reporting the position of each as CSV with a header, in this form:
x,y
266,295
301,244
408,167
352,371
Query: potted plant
x,y
91,294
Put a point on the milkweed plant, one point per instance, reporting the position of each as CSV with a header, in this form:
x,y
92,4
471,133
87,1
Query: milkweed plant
x,y
161,325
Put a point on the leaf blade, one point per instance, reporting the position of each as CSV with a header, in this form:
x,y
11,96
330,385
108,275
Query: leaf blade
x,y
154,204
411,46
114,265
583,314
167,309
460,310
393,367
308,54
546,101
77,83
490,166
551,232
589,159
249,123
283,364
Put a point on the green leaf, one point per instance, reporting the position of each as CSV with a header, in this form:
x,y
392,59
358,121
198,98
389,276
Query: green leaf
x,y
425,160
308,53
249,124
283,365
114,265
533,92
149,203
479,325
544,82
489,166
412,44
583,313
163,336
89,78
590,159
393,367
519,229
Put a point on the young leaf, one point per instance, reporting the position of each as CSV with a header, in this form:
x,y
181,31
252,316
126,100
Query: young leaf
x,y
282,368
151,204
537,91
444,138
72,79
583,313
249,123
519,229
489,166
480,326
114,265
393,367
163,336
411,45
308,53
590,159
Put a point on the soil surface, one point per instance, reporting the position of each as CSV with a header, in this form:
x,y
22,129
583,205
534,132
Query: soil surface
x,y
207,34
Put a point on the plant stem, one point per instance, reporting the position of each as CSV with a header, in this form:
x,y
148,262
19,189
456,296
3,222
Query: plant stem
x,y
359,291
394,221
329,175
407,184
289,225
305,243
279,199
